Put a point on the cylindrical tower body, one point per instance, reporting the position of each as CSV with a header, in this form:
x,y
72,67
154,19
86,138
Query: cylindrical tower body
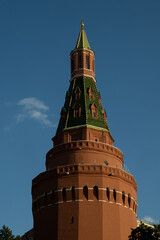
x,y
84,194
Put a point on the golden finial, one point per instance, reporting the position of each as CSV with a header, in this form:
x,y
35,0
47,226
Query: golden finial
x,y
82,25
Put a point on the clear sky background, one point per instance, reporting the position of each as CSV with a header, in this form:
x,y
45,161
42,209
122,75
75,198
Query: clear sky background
x,y
36,37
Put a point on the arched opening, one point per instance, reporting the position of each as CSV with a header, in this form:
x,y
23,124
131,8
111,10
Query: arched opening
x,y
95,192
123,197
108,193
73,193
114,195
64,194
85,192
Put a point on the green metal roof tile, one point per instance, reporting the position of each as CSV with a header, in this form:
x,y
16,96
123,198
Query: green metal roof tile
x,y
69,121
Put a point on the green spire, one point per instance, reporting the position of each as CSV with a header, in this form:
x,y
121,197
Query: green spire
x,y
82,41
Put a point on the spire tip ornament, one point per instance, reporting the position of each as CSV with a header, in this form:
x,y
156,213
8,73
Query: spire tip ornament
x,y
82,25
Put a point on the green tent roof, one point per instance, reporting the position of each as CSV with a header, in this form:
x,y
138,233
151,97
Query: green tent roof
x,y
82,41
68,120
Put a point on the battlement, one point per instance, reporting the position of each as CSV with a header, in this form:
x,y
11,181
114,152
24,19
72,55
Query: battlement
x,y
82,194
92,151
86,169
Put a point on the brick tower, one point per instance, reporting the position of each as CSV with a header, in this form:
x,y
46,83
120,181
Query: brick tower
x,y
84,194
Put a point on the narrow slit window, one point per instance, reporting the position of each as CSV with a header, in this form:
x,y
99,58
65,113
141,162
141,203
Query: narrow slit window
x,y
85,192
73,193
72,219
87,62
129,200
114,195
64,194
108,194
95,192
123,197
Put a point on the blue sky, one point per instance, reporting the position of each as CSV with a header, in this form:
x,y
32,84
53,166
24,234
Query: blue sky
x,y
36,38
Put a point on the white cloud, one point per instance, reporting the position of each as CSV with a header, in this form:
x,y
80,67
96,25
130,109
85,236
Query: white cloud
x,y
34,109
150,220
30,103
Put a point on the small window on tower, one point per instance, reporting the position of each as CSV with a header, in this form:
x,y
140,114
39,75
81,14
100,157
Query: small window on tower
x,y
77,111
73,193
91,94
87,62
114,195
129,200
123,197
77,94
108,193
95,192
79,61
94,111
85,192
64,194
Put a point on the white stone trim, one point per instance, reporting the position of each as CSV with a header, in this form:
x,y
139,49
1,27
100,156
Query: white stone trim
x,y
58,202
82,75
58,190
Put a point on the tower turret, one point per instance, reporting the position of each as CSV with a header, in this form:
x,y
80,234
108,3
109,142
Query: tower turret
x,y
84,193
82,57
